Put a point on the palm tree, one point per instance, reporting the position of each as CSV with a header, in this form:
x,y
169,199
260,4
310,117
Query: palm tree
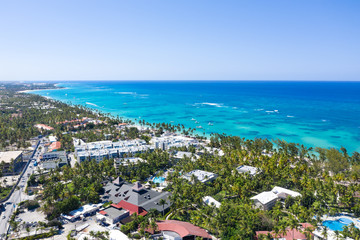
x,y
324,232
163,203
153,225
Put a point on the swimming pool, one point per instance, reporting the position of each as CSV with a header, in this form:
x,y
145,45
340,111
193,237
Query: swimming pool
x,y
337,225
158,179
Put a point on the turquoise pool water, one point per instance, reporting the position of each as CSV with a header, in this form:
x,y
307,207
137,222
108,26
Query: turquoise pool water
x,y
158,179
337,225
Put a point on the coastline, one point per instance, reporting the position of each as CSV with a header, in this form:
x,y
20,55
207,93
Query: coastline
x,y
230,116
32,90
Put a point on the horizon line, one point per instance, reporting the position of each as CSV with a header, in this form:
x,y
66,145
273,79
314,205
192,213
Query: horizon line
x,y
181,80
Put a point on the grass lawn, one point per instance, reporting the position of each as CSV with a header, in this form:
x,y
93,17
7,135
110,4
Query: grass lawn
x,y
4,192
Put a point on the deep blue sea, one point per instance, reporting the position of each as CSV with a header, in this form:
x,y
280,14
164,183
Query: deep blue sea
x,y
324,114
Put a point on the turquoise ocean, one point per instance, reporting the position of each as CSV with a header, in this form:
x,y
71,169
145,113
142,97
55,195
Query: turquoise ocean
x,y
324,114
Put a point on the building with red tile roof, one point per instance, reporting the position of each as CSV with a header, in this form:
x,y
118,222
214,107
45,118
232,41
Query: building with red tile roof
x,y
180,230
290,234
130,207
136,197
54,146
44,127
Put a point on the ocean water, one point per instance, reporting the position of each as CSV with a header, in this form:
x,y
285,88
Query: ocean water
x,y
324,114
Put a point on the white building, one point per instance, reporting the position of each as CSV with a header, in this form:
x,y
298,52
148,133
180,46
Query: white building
x,y
283,193
52,139
181,155
265,200
211,201
112,215
86,210
11,158
108,149
214,151
166,142
117,235
252,171
129,160
202,176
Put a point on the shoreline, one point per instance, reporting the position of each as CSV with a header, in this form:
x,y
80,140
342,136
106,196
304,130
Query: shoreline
x,y
32,90
233,128
134,120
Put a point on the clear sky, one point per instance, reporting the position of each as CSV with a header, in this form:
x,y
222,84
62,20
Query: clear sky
x,y
180,39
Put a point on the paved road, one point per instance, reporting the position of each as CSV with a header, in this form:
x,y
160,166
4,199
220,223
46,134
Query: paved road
x,y
18,195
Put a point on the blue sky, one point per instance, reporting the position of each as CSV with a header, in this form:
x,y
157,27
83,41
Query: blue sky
x,y
180,40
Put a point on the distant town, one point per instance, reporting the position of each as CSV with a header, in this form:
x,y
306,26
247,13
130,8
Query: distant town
x,y
70,172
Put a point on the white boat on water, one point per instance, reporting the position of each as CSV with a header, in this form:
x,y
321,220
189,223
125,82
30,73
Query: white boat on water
x,y
196,122
199,127
210,124
193,119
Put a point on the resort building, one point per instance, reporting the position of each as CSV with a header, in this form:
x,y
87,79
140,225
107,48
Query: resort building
x,y
112,215
128,161
201,176
211,201
290,234
54,146
283,193
265,200
178,230
43,127
107,149
181,155
84,211
52,139
213,151
52,160
11,159
135,197
265,153
117,235
167,142
252,171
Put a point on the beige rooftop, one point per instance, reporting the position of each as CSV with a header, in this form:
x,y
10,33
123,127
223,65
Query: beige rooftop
x,y
7,156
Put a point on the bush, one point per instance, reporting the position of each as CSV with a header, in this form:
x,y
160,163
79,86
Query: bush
x,y
105,205
55,223
31,204
136,236
40,236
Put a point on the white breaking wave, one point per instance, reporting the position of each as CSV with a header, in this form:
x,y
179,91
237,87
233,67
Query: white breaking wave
x,y
126,93
210,104
289,116
273,111
135,94
92,104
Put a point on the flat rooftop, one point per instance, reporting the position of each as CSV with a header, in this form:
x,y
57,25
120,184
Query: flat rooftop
x,y
114,212
248,169
7,156
202,176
